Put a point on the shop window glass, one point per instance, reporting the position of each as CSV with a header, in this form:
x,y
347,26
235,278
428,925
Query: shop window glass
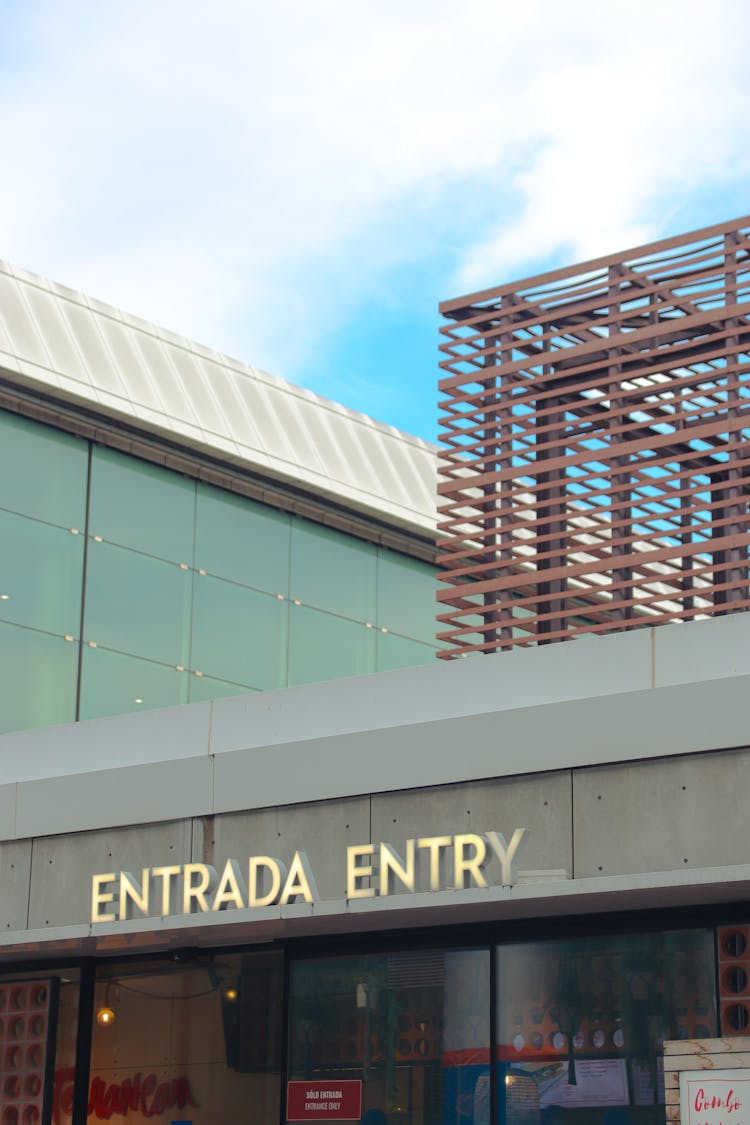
x,y
38,675
143,506
401,652
333,571
136,604
42,472
41,575
581,1024
201,1041
410,1030
406,596
243,541
238,634
112,684
324,647
37,1045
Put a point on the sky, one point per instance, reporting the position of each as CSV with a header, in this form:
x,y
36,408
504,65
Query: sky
x,y
298,184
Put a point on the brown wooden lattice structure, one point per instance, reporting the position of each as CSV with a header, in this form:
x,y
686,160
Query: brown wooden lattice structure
x,y
594,458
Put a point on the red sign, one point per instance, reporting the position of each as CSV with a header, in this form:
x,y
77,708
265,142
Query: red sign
x,y
324,1101
143,1095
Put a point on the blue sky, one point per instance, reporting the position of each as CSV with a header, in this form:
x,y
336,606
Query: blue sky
x,y
299,184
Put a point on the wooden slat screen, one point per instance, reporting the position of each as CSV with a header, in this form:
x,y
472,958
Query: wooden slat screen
x,y
594,463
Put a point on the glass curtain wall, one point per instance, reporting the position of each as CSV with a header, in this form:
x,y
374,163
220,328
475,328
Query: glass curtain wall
x,y
43,481
124,586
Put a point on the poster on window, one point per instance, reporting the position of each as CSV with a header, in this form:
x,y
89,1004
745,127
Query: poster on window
x,y
715,1097
598,1083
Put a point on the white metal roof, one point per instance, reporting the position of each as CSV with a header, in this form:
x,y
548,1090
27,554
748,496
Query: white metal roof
x,y
63,344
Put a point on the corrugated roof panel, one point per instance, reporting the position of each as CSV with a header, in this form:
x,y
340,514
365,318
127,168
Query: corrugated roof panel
x,y
72,387
301,426
340,452
25,340
197,389
127,409
6,344
284,438
173,398
239,425
32,374
99,365
378,452
136,375
59,341
421,489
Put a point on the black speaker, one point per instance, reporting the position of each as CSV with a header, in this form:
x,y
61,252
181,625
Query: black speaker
x,y
251,1009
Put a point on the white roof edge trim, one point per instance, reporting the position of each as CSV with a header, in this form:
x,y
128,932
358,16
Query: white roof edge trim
x,y
79,351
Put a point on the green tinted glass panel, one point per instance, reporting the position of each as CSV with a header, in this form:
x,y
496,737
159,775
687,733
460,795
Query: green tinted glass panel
x,y
205,687
400,652
137,604
323,647
238,634
42,472
332,571
41,575
243,541
142,506
112,684
37,679
406,596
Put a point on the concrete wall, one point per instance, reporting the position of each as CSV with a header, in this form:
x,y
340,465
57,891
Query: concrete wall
x,y
625,758
585,828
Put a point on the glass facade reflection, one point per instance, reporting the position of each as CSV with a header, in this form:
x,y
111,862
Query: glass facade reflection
x,y
581,1023
200,1042
407,1034
412,1027
124,585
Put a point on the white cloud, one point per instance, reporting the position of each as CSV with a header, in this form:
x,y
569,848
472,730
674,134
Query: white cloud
x,y
658,109
243,171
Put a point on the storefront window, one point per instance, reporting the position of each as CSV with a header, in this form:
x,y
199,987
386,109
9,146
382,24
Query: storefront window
x,y
197,1041
406,1033
581,1024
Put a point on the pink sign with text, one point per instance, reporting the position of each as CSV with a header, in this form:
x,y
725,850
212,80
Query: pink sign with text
x,y
710,1097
